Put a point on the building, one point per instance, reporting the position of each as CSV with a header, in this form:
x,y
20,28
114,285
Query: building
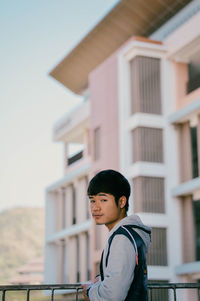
x,y
139,73
30,273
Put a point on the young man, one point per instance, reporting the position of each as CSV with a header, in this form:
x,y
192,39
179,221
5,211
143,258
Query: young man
x,y
123,273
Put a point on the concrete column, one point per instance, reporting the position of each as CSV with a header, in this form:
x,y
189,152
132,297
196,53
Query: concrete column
x,y
181,78
68,206
93,250
185,152
72,259
60,270
86,143
188,231
51,270
83,258
81,200
59,210
50,219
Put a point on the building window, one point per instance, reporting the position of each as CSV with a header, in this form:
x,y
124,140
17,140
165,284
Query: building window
x,y
147,144
97,134
149,194
157,254
196,210
73,205
193,75
145,85
194,147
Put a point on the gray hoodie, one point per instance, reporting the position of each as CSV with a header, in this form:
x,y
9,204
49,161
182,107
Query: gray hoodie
x,y
119,273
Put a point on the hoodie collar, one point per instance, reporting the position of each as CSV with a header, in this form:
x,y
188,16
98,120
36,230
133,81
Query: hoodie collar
x,y
133,220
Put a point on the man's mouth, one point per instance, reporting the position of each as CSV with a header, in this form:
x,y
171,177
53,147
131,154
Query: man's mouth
x,y
97,215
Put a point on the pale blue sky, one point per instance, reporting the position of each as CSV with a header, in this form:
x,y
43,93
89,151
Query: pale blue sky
x,y
35,36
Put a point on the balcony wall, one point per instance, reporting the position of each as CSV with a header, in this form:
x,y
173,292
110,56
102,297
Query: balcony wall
x,y
69,126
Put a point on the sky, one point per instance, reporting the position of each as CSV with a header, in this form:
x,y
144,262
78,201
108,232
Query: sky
x,y
35,36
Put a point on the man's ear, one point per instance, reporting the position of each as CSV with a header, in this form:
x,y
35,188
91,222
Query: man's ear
x,y
122,201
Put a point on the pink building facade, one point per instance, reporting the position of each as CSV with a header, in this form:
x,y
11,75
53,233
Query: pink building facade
x,y
140,115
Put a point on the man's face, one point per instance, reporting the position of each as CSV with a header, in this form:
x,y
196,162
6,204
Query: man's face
x,y
104,209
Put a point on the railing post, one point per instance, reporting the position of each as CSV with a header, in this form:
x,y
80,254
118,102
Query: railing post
x,y
77,291
28,294
150,294
52,294
174,290
3,295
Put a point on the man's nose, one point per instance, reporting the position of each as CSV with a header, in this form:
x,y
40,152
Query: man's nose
x,y
96,207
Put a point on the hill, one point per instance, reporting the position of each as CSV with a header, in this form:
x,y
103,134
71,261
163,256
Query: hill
x,y
21,239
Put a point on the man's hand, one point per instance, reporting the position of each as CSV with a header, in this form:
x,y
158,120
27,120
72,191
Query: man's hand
x,y
85,287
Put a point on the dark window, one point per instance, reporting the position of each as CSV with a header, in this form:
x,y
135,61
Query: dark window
x,y
73,205
63,208
77,259
193,75
194,146
196,207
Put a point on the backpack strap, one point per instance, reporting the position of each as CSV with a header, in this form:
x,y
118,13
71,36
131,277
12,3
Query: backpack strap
x,y
101,267
132,235
124,231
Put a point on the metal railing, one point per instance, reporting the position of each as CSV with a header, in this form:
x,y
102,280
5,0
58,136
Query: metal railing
x,y
75,158
173,288
52,288
76,288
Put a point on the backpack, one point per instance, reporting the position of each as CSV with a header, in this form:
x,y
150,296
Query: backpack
x,y
138,288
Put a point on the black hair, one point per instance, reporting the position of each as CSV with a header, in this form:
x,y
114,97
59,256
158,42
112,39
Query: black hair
x,y
111,182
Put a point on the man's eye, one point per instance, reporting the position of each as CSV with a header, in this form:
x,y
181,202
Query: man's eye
x,y
92,201
104,200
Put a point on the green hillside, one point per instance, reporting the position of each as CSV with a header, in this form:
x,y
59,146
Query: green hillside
x,y
21,239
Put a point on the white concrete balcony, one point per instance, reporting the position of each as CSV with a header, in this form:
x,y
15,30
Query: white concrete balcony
x,y
189,187
191,269
188,111
80,170
69,231
71,126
